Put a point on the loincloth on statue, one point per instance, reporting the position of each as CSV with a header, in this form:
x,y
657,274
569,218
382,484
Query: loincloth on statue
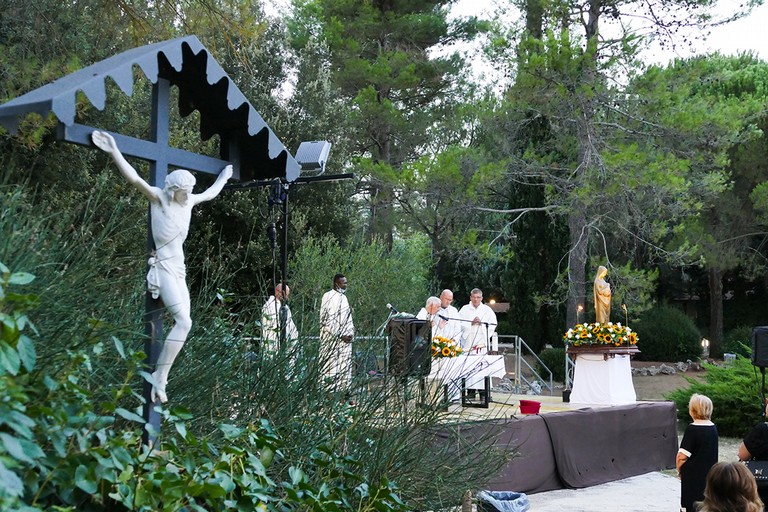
x,y
173,267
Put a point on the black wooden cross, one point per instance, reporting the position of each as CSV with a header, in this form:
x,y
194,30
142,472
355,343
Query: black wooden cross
x,y
246,141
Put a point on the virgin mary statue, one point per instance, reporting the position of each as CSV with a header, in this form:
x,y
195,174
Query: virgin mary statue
x,y
602,296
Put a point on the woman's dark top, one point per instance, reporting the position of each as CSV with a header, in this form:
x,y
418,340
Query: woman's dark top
x,y
756,444
701,441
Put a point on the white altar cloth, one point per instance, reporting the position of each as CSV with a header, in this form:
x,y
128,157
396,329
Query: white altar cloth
x,y
601,381
474,368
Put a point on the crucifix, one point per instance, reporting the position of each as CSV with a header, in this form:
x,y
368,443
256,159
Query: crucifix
x,y
247,144
171,201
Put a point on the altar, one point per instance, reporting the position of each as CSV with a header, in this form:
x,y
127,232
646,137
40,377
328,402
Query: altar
x,y
603,377
472,369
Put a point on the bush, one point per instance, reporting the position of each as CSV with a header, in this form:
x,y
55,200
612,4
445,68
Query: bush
x,y
667,334
89,294
554,359
63,450
738,341
735,394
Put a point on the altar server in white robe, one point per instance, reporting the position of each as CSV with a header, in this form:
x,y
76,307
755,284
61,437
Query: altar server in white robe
x,y
478,326
336,333
270,321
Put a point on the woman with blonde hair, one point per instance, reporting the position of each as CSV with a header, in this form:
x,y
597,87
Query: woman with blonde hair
x,y
730,488
698,452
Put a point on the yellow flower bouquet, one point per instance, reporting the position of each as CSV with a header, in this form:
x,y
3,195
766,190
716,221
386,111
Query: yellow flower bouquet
x,y
609,334
445,347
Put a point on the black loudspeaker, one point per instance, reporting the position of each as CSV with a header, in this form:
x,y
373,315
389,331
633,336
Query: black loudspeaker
x,y
410,347
760,346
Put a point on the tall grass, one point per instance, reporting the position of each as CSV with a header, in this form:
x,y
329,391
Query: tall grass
x,y
90,262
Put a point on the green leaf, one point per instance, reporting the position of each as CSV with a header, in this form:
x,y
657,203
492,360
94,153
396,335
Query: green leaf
x,y
21,278
230,431
20,423
119,346
27,353
21,449
182,412
9,359
85,480
181,428
297,475
225,481
10,482
128,415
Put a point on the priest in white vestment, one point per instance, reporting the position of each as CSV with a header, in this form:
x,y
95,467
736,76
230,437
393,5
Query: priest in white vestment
x,y
449,320
478,324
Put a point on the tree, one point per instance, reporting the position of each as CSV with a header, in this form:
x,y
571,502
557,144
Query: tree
x,y
715,104
590,155
380,61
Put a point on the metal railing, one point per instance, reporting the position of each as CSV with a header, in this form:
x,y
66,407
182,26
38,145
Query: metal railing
x,y
520,347
507,342
570,365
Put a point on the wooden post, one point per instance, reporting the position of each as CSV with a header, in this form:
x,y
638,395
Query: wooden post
x,y
153,308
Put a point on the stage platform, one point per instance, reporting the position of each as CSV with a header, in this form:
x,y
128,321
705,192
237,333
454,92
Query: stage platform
x,y
508,405
571,445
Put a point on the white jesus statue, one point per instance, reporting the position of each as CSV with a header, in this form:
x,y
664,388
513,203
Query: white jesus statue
x,y
170,213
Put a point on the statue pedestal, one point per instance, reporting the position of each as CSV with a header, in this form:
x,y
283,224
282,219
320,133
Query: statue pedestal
x,y
603,375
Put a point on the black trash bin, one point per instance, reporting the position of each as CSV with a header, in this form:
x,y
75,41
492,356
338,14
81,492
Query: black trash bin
x,y
502,501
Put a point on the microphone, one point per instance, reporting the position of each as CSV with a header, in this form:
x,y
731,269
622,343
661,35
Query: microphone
x,y
444,317
392,309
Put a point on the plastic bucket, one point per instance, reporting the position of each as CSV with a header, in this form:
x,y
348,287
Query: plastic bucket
x,y
502,501
529,406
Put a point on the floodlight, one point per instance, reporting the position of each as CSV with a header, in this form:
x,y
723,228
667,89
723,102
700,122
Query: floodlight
x,y
312,155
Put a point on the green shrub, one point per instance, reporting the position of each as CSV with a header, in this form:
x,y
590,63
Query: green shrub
x,y
666,334
735,394
91,292
554,359
738,341
62,450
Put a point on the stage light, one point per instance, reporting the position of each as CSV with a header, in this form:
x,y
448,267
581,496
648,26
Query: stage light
x,y
312,155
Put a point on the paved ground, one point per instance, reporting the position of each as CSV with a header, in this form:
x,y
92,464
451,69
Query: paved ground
x,y
645,493
651,492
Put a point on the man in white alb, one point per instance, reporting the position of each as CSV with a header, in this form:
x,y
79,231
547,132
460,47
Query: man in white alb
x,y
429,312
449,323
270,320
479,324
336,333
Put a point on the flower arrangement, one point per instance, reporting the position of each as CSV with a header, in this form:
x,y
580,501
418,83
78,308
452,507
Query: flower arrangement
x,y
445,347
608,334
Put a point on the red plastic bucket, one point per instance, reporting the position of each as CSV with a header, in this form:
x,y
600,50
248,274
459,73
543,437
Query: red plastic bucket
x,y
529,406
